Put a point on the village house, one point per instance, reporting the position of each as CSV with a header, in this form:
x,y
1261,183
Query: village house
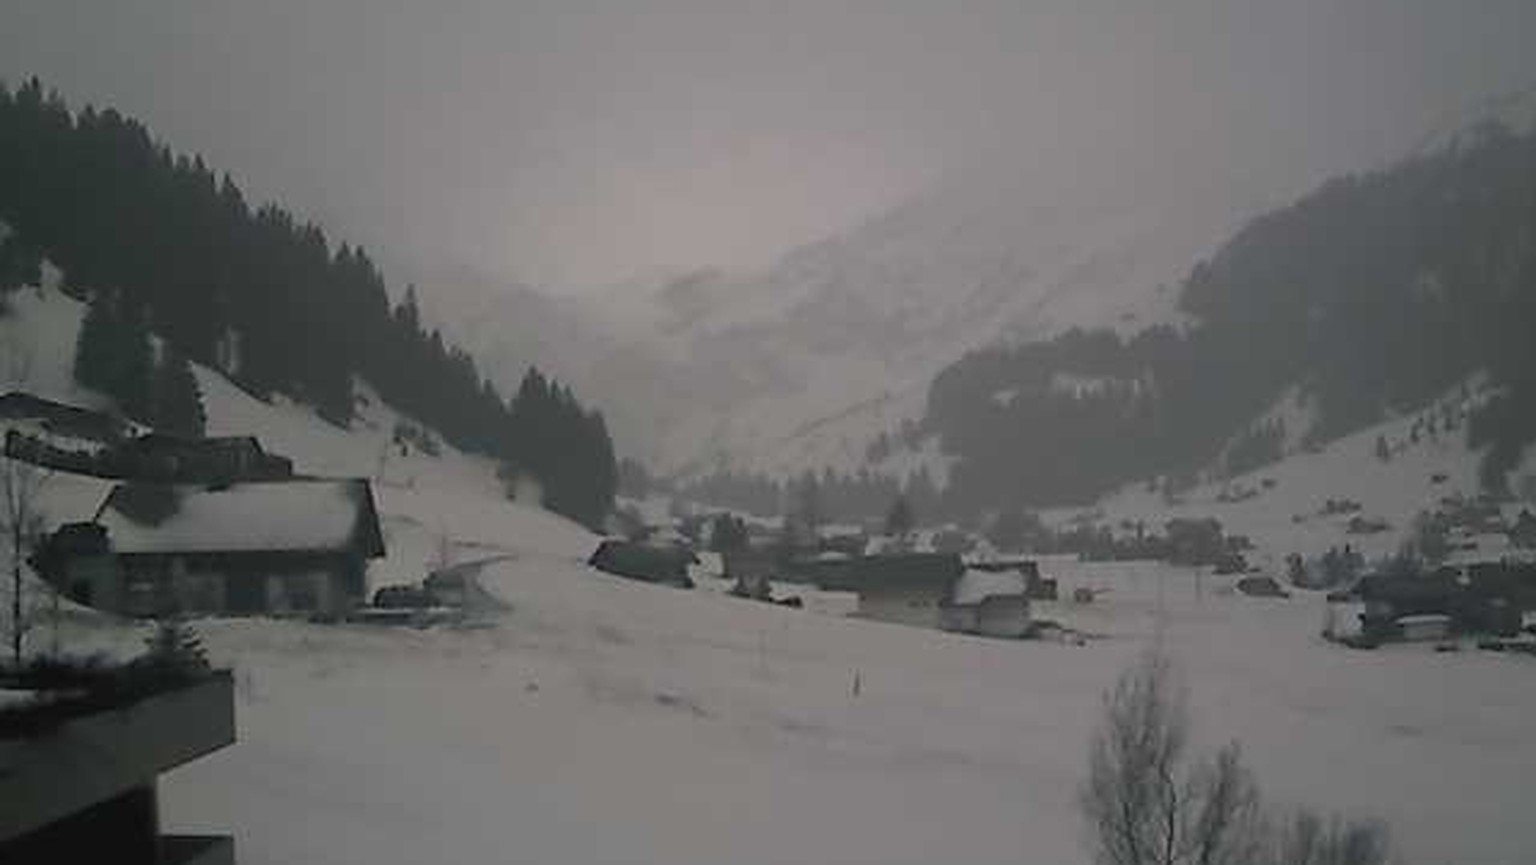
x,y
1486,597
80,441
750,572
991,603
1036,587
906,588
59,436
936,590
297,547
60,419
648,563
1522,534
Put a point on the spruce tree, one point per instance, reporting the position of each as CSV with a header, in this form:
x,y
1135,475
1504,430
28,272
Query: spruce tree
x,y
178,405
133,370
93,347
898,521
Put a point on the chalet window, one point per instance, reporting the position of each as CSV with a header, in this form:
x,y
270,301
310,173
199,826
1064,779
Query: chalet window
x,y
303,594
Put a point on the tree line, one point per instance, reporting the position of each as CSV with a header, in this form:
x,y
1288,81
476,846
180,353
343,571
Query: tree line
x,y
1374,295
827,497
156,241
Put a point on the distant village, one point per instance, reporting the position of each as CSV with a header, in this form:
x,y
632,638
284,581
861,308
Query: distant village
x,y
221,526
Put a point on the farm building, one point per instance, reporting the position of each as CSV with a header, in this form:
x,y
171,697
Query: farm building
x,y
666,565
906,588
750,572
991,603
1522,534
60,419
289,547
1484,597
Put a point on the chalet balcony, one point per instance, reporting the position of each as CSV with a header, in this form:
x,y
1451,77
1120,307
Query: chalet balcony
x,y
82,787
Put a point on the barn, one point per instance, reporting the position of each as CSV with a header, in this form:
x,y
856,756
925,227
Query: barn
x,y
906,588
989,603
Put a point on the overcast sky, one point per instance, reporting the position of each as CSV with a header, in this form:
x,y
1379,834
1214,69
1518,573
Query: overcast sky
x,y
574,141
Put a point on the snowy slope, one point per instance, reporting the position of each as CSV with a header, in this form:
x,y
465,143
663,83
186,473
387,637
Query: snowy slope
x,y
802,364
818,346
1284,514
417,492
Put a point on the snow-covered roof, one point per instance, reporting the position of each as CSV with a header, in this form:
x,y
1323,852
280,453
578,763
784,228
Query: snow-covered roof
x,y
296,515
975,586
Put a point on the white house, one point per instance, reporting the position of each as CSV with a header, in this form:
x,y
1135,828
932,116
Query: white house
x,y
935,590
990,603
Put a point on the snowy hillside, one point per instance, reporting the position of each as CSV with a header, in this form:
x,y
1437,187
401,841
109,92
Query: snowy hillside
x,y
510,328
1281,506
836,340
422,497
801,365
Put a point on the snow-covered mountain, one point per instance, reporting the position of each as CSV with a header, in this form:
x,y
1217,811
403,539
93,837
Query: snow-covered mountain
x,y
803,364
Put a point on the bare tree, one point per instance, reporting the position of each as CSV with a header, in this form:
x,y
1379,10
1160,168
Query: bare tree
x,y
1310,839
1148,801
21,522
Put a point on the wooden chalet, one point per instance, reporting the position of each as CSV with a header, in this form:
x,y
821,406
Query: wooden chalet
x,y
296,547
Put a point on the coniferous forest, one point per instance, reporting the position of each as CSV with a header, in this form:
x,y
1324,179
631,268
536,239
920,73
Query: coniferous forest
x,y
156,241
1371,296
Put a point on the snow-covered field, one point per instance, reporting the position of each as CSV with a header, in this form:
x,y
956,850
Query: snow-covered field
x,y
606,721
603,721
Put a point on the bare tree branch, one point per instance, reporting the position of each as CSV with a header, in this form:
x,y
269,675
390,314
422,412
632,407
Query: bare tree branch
x,y
1147,802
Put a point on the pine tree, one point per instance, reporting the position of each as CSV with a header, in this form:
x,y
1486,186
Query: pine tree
x,y
727,534
175,646
178,405
113,355
19,264
1008,530
93,347
133,368
898,521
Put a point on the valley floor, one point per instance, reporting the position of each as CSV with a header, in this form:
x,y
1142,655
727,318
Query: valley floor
x,y
603,721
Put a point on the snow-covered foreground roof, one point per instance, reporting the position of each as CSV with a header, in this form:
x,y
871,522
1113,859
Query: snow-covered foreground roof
x,y
303,515
606,721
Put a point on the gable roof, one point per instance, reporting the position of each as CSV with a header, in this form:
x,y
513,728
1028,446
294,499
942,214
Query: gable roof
x,y
976,585
267,516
